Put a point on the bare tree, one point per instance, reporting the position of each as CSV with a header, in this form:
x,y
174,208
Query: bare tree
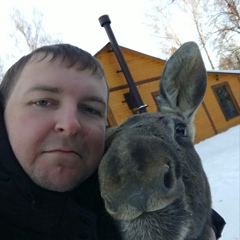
x,y
163,29
164,10
230,58
226,23
227,18
217,26
32,32
197,10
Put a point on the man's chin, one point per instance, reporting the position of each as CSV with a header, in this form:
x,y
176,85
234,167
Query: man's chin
x,y
61,181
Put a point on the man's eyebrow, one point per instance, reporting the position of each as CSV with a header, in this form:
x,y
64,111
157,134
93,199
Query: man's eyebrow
x,y
44,88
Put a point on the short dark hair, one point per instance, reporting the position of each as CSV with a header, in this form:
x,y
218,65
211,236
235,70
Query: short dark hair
x,y
72,55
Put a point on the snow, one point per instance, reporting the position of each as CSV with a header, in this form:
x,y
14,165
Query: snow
x,y
220,157
224,71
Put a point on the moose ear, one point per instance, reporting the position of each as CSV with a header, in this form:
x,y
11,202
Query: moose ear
x,y
183,82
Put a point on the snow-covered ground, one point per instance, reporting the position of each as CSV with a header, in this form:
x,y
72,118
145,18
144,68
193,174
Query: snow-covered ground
x,y
221,156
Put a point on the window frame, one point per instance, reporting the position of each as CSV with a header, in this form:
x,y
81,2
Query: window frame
x,y
232,98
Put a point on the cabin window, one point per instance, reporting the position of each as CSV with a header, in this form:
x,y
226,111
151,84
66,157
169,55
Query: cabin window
x,y
226,100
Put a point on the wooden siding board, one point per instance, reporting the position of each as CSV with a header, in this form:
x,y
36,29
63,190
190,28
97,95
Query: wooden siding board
x,y
203,126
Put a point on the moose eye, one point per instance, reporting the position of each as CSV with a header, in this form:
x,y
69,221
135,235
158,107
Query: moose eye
x,y
181,130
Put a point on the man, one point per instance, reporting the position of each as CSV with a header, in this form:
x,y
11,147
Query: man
x,y
55,106
52,127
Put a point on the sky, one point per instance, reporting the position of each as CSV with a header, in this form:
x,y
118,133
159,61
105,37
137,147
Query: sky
x,y
221,157
76,22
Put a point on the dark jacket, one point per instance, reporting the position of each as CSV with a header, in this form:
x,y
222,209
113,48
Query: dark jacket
x,y
28,212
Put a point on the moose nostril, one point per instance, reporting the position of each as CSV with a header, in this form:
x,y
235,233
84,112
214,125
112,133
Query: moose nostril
x,y
167,177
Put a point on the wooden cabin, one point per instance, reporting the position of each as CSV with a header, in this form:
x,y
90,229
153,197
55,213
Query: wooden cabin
x,y
219,111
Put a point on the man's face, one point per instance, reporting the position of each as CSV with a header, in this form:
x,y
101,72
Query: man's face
x,y
55,118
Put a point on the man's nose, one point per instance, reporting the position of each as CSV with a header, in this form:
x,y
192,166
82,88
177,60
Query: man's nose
x,y
68,122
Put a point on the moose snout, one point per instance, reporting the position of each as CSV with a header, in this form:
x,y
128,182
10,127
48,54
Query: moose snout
x,y
144,194
146,177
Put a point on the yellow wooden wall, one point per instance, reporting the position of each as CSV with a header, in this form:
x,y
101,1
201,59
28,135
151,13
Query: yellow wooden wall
x,y
146,72
203,126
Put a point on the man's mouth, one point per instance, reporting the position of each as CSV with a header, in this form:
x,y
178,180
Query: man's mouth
x,y
64,151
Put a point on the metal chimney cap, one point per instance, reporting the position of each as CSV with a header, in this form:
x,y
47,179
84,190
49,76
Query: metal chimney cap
x,y
104,19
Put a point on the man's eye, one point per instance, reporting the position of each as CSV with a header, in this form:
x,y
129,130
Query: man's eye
x,y
92,111
43,103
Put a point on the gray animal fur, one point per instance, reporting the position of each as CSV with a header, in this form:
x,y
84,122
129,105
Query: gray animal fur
x,y
151,178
